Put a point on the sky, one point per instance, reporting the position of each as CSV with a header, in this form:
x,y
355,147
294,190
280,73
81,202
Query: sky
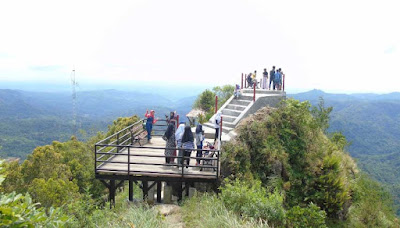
x,y
335,46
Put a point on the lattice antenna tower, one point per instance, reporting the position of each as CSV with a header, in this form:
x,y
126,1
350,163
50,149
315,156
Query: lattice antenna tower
x,y
73,84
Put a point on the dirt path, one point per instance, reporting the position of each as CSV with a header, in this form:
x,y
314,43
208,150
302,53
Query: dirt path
x,y
172,213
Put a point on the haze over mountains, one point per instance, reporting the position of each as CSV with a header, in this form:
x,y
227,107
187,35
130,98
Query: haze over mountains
x,y
30,119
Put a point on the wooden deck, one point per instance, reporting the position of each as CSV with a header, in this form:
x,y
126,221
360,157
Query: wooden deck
x,y
152,166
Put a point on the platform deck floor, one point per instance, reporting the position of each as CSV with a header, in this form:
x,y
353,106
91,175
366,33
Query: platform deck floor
x,y
152,166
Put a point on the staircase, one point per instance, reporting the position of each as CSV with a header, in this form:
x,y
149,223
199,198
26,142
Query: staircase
x,y
235,110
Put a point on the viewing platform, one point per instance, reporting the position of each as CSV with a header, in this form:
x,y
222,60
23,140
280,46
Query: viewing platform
x,y
148,161
126,156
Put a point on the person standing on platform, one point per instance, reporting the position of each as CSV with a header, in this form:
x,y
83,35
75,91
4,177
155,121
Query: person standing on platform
x,y
249,81
217,122
265,79
149,123
172,118
178,137
187,144
199,142
169,136
271,78
254,78
277,79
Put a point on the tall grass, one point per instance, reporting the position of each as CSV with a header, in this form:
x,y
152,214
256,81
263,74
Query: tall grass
x,y
124,214
207,210
131,216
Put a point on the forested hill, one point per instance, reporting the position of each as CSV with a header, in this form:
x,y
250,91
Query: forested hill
x,y
371,123
100,104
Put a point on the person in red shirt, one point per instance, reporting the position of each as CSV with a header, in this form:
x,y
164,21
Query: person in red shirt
x,y
149,123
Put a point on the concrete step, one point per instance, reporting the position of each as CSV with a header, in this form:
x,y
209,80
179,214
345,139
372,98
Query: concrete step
x,y
230,112
209,130
230,125
224,124
240,102
227,118
226,129
246,98
209,134
236,107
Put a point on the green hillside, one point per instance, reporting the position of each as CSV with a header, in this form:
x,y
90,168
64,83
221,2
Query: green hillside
x,y
371,123
281,169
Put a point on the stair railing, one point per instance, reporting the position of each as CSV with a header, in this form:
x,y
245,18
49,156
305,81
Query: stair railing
x,y
242,82
254,91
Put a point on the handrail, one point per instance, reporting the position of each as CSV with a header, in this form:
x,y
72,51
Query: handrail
x,y
242,82
152,156
129,162
106,151
141,120
254,93
156,148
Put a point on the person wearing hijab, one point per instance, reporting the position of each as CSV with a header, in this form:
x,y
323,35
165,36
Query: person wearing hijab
x,y
149,123
199,142
178,137
217,122
172,117
170,138
187,144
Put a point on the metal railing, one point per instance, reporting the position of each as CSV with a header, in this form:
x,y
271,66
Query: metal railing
x,y
122,149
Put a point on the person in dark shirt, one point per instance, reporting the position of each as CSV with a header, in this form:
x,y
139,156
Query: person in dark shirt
x,y
271,78
249,81
187,145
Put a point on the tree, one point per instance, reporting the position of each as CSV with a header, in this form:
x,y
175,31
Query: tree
x,y
321,114
223,93
17,210
205,101
53,192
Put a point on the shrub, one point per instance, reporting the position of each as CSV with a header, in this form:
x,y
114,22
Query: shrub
x,y
328,189
311,216
250,199
207,210
17,210
372,205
